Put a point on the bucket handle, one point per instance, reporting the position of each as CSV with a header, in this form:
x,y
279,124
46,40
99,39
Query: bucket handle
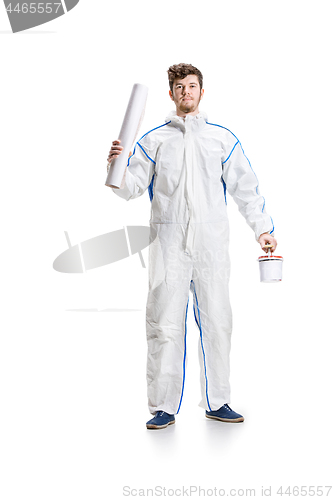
x,y
269,247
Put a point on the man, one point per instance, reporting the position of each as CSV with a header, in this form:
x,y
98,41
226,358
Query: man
x,y
188,164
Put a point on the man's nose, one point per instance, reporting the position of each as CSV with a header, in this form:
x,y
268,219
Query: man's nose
x,y
186,90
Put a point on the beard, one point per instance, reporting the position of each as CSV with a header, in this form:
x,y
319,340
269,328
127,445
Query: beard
x,y
188,107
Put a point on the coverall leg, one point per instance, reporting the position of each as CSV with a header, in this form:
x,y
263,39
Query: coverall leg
x,y
204,270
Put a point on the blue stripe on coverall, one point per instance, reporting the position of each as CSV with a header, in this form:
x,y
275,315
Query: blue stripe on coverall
x,y
238,142
150,187
202,347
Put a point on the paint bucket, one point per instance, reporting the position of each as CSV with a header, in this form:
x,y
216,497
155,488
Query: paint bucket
x,y
270,267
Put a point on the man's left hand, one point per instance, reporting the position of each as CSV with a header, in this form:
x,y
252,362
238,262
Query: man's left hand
x,y
265,239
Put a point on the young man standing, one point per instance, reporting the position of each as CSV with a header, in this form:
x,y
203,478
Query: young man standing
x,y
188,164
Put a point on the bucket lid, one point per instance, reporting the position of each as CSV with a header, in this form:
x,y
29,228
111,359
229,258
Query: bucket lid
x,y
270,257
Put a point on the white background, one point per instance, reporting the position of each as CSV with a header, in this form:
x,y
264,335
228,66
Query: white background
x,y
73,390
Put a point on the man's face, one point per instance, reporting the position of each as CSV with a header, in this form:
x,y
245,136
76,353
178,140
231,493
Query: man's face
x,y
186,95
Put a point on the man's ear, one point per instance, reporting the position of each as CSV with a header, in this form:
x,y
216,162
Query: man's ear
x,y
202,94
170,94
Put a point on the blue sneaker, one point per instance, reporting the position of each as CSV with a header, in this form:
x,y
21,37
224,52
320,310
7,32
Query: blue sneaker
x,y
160,420
225,414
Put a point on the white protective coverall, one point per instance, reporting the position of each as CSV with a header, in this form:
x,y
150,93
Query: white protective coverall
x,y
190,163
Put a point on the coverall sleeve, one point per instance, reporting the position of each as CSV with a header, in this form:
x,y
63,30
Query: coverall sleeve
x,y
140,170
242,184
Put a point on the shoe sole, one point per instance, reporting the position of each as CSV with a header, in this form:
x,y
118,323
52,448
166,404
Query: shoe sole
x,y
153,426
240,419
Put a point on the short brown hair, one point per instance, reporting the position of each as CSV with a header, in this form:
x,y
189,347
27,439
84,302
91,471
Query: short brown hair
x,y
181,71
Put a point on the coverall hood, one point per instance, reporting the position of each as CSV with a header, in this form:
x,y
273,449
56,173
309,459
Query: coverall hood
x,y
197,121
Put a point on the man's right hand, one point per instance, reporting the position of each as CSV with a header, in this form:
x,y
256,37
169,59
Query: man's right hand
x,y
115,150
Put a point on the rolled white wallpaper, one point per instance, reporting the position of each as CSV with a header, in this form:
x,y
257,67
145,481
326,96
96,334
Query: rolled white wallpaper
x,y
129,129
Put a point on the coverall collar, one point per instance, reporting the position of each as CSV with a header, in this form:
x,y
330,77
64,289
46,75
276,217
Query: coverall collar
x,y
196,122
